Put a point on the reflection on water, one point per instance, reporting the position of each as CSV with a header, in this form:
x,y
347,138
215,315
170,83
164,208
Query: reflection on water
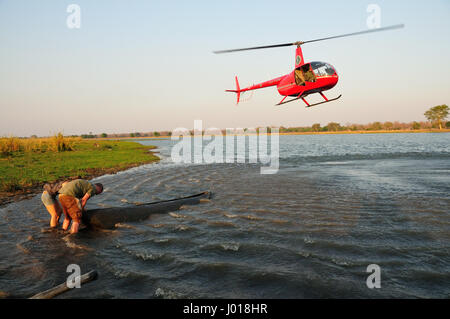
x,y
337,204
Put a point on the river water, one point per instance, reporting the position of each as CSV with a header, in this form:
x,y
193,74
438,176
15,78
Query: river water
x,y
337,204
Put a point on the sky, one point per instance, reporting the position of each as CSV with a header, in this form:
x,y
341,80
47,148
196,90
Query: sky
x,y
142,66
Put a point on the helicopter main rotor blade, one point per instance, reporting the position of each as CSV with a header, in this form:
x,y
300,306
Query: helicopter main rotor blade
x,y
392,27
255,48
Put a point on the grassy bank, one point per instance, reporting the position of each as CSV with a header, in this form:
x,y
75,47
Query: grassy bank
x,y
26,164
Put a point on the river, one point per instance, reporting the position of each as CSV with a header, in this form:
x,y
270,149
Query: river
x,y
337,204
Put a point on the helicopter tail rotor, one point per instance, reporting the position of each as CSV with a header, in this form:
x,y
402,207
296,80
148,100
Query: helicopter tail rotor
x,y
237,91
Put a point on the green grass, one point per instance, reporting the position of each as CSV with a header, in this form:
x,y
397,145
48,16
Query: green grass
x,y
21,169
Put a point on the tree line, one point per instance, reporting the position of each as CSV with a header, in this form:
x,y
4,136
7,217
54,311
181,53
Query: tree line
x,y
375,126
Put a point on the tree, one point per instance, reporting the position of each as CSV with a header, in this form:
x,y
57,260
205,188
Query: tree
x,y
437,114
333,126
376,126
416,125
104,135
316,127
156,134
388,125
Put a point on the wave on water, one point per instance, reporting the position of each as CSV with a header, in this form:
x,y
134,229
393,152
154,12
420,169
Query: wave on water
x,y
165,293
70,243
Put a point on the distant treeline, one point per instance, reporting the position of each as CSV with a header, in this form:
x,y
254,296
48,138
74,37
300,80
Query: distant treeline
x,y
375,126
330,127
135,134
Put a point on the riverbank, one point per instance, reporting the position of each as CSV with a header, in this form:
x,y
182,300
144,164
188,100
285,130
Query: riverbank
x,y
23,173
296,133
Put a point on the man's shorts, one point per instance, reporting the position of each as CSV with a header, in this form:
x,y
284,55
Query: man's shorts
x,y
47,199
72,206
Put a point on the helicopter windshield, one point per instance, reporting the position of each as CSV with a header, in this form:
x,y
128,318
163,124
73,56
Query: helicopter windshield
x,y
322,69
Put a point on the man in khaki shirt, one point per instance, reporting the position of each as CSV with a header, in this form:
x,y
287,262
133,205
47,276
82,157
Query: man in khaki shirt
x,y
73,197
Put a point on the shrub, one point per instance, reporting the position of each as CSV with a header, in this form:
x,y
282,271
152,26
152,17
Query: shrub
x,y
9,145
58,143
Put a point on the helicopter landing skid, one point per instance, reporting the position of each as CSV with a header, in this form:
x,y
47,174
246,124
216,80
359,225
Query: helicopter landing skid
x,y
306,102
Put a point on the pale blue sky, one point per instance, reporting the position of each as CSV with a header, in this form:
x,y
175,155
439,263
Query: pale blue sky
x,y
147,65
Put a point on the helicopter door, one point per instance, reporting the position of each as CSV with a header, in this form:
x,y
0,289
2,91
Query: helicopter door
x,y
304,74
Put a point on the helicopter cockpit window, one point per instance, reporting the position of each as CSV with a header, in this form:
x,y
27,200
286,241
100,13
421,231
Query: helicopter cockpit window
x,y
322,69
304,74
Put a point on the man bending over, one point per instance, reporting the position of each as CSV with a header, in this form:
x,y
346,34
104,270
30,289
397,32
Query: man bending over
x,y
73,197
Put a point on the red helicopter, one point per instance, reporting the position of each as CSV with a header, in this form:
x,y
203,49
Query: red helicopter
x,y
307,78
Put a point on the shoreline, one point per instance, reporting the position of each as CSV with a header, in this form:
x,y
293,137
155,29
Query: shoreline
x,y
288,133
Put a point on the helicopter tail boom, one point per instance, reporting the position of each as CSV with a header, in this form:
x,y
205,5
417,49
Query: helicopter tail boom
x,y
262,85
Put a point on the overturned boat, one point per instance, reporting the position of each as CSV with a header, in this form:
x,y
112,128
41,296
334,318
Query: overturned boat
x,y
109,217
